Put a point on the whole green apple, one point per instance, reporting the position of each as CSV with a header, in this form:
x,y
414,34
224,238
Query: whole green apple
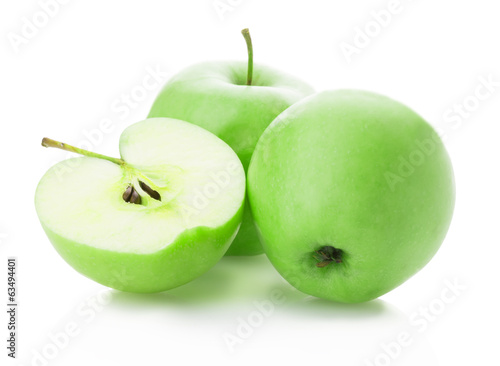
x,y
352,193
236,102
155,219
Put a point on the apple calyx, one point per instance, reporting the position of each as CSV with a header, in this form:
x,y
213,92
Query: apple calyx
x,y
130,195
248,40
326,255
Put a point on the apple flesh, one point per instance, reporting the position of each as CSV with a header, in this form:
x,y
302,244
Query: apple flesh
x,y
153,220
235,101
352,194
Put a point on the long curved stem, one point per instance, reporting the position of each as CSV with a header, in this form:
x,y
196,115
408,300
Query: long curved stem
x,y
46,142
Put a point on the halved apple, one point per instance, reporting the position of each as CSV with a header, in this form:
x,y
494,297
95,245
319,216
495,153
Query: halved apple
x,y
153,220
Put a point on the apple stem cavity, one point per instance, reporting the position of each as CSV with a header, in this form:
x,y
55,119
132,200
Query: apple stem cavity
x,y
130,195
46,142
326,255
248,40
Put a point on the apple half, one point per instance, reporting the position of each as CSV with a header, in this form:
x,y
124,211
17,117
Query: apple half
x,y
155,219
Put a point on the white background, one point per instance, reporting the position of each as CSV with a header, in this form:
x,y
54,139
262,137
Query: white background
x,y
69,77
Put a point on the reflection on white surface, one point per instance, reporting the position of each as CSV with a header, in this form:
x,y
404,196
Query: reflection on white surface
x,y
233,316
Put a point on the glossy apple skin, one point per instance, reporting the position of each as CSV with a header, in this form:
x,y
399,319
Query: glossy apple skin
x,y
321,176
193,253
213,95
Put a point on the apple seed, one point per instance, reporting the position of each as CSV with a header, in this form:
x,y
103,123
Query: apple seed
x,y
152,193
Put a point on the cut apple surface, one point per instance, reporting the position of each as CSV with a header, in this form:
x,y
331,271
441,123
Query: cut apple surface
x,y
159,217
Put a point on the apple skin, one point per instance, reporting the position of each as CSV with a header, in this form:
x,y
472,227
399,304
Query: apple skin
x,y
213,95
192,253
321,176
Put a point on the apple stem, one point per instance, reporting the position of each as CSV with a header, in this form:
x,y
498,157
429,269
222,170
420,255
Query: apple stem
x,y
248,40
46,142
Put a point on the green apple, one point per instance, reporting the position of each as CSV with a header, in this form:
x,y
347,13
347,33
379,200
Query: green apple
x,y
236,102
352,193
153,220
